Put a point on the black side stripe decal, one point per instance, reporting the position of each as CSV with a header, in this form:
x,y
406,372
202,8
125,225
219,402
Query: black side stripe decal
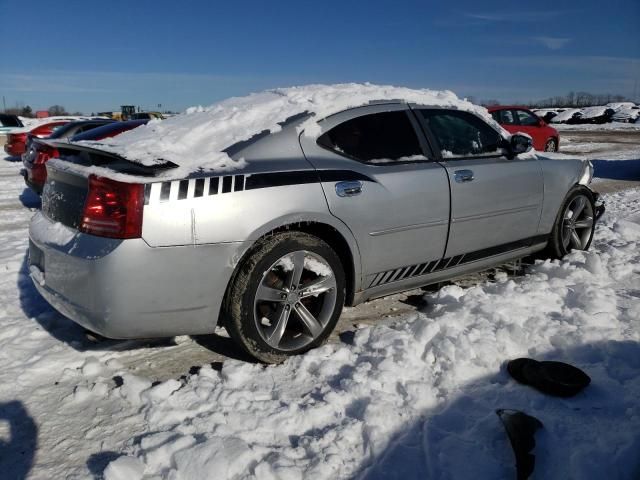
x,y
301,177
451,262
239,183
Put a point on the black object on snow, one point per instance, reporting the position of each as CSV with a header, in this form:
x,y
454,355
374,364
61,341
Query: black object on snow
x,y
521,429
553,378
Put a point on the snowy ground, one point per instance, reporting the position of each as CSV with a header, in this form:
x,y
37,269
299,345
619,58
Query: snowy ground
x,y
406,393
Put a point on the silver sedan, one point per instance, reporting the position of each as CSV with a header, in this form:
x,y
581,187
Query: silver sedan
x,y
387,197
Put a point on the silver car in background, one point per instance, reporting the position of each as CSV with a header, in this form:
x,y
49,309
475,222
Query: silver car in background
x,y
388,197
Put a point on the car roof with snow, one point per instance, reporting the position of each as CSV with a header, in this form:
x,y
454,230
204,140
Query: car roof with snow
x,y
199,138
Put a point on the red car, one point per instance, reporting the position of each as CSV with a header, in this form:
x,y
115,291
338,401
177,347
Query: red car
x,y
520,119
17,142
35,171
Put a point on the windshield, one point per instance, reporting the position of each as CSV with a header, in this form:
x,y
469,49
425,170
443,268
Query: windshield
x,y
10,121
108,130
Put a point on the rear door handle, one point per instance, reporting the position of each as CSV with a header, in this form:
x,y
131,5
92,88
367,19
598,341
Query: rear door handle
x,y
462,176
349,189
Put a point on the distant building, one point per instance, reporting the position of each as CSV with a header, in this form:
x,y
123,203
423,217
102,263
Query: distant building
x,y
42,114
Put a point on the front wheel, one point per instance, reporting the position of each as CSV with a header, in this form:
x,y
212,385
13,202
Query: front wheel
x,y
551,145
575,223
286,298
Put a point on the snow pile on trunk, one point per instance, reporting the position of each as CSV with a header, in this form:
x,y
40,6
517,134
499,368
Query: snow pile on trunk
x,y
197,138
416,398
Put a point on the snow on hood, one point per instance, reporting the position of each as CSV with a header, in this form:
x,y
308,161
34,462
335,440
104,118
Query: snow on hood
x,y
196,139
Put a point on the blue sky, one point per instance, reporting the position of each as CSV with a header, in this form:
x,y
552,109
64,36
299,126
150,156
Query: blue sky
x,y
93,56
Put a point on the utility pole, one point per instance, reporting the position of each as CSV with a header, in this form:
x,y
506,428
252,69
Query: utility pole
x,y
4,104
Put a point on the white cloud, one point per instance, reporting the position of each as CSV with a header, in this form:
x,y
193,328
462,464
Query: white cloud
x,y
552,43
522,16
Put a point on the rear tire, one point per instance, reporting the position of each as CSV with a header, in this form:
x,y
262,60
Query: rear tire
x,y
575,223
286,297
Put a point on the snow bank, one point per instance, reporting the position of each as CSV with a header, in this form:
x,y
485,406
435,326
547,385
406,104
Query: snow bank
x,y
416,399
198,137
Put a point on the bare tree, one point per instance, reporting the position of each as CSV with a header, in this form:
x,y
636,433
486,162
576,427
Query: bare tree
x,y
57,110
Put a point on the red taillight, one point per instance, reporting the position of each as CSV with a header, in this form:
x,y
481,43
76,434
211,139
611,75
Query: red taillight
x,y
44,153
113,209
38,171
17,137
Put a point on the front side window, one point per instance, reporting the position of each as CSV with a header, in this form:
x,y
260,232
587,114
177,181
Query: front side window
x,y
462,134
375,138
526,119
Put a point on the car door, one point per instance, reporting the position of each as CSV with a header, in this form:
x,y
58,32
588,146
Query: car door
x,y
496,201
379,179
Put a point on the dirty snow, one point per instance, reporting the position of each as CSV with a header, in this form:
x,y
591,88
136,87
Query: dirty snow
x,y
197,138
408,398
601,127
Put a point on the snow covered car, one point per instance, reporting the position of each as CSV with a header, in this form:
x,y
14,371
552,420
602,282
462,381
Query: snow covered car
x,y
8,123
566,116
627,114
596,115
267,214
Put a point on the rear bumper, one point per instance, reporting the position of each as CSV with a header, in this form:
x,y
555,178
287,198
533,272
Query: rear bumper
x,y
33,186
127,289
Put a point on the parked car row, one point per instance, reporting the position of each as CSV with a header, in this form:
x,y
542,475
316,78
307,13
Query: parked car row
x,y
627,112
326,196
39,151
18,137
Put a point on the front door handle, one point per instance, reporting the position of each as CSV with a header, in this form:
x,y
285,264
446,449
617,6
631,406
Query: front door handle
x,y
462,176
349,189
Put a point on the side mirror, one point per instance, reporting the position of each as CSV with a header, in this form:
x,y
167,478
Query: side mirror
x,y
520,144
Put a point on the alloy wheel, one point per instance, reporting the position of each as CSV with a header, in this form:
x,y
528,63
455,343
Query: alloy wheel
x,y
577,223
295,300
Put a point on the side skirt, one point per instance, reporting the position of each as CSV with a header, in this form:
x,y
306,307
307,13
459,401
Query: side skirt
x,y
413,276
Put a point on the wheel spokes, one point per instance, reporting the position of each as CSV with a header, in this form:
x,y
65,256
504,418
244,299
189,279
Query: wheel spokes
x,y
312,325
298,267
575,240
277,333
579,206
586,222
268,294
318,286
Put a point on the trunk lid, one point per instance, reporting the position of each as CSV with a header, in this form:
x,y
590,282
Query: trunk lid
x,y
67,185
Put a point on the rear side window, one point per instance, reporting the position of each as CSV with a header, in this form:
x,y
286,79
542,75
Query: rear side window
x,y
462,134
507,117
376,138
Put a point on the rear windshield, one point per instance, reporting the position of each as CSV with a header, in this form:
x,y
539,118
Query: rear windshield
x,y
109,130
64,130
10,121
